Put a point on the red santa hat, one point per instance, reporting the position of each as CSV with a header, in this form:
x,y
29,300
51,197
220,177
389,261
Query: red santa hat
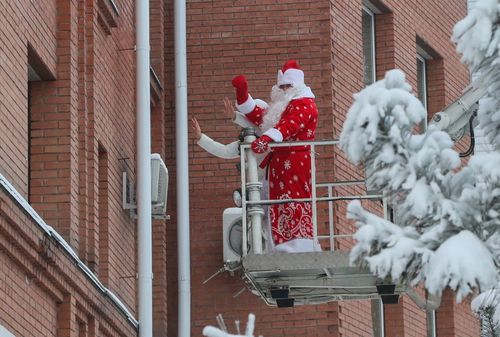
x,y
291,74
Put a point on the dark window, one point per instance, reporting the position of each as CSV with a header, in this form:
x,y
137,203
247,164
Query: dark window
x,y
368,30
422,86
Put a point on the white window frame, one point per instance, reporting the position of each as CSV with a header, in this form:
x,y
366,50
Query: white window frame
x,y
371,13
424,78
423,60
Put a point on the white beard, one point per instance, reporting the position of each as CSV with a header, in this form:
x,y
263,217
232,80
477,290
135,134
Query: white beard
x,y
279,101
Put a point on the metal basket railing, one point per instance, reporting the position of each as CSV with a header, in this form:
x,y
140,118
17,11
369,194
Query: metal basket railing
x,y
252,203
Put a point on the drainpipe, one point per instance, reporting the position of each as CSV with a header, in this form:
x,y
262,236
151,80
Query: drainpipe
x,y
181,137
144,232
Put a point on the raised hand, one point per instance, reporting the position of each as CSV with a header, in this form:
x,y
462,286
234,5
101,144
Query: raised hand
x,y
228,108
196,128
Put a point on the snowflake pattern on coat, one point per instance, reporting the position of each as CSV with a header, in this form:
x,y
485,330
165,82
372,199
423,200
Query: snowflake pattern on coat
x,y
289,171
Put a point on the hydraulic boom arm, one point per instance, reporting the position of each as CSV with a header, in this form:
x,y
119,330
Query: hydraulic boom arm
x,y
455,117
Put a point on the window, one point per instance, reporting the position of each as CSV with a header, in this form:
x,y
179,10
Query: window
x,y
422,79
422,86
103,204
368,31
32,77
34,65
30,165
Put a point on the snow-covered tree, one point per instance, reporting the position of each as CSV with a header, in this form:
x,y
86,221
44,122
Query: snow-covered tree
x,y
434,206
447,225
478,40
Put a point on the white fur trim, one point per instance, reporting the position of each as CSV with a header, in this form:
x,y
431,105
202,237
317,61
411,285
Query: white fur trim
x,y
291,76
280,77
304,92
275,134
247,106
261,104
298,246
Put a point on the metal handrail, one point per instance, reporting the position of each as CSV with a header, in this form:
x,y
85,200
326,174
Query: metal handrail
x,y
287,201
314,199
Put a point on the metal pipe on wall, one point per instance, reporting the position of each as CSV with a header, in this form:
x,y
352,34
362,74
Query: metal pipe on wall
x,y
181,137
143,125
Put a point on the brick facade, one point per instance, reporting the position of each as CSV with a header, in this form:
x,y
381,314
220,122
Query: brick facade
x,y
254,39
67,136
67,105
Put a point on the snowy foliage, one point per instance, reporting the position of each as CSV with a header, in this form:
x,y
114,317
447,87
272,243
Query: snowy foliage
x,y
487,305
478,40
447,220
452,265
210,331
437,211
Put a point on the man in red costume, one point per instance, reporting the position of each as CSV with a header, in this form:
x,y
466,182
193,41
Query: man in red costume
x,y
292,116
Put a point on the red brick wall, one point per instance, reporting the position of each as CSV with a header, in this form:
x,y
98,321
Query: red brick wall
x,y
88,106
82,139
43,291
254,39
78,123
17,32
226,39
456,319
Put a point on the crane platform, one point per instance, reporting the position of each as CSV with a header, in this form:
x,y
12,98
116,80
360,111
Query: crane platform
x,y
288,279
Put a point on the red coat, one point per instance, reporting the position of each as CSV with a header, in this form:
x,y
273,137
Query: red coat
x,y
289,169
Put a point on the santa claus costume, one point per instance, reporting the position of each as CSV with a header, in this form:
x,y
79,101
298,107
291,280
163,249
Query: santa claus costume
x,y
292,116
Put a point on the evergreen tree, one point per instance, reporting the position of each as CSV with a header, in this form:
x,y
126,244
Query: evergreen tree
x,y
447,229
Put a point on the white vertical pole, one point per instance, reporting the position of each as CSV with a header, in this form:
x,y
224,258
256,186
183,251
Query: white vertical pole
x,y
313,193
331,218
181,136
377,318
144,231
254,187
244,224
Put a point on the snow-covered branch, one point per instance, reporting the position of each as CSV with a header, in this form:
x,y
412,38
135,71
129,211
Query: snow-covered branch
x,y
437,212
478,40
